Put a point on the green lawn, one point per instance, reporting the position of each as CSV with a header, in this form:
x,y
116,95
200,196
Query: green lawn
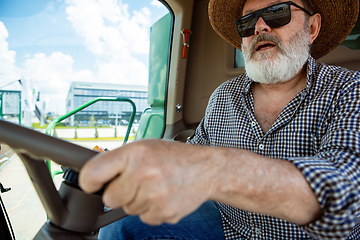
x,y
62,126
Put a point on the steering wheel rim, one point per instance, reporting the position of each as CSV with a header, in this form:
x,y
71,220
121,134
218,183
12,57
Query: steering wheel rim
x,y
40,146
69,210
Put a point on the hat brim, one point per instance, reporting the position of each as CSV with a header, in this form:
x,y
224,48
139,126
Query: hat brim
x,y
338,17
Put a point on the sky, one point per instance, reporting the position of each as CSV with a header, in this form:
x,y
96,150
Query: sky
x,y
50,43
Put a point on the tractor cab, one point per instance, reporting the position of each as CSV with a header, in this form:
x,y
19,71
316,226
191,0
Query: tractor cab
x,y
161,58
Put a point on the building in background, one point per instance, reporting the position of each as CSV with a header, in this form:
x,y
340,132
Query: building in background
x,y
10,105
105,112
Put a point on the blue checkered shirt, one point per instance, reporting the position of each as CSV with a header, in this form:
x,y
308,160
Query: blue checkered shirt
x,y
318,131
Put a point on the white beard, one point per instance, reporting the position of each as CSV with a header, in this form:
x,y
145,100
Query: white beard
x,y
288,61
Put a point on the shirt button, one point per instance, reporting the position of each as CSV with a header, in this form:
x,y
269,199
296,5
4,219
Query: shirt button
x,y
257,231
261,147
253,123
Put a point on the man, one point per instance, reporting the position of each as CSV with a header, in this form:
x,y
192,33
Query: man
x,y
284,137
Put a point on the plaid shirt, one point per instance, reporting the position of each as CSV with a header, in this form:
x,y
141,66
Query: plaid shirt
x,y
318,131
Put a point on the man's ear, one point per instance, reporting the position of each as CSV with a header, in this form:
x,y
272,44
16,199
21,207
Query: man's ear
x,y
314,26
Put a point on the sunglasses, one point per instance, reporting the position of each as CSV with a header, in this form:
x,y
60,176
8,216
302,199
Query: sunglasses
x,y
275,16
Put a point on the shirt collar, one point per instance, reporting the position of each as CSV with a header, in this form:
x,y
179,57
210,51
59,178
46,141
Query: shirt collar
x,y
310,72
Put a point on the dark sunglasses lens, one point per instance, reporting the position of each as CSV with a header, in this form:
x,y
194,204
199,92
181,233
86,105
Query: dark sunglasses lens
x,y
277,16
246,25
274,16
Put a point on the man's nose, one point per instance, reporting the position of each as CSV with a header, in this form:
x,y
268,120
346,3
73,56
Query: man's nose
x,y
261,26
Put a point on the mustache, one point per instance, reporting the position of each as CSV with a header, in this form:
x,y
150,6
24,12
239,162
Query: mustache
x,y
265,37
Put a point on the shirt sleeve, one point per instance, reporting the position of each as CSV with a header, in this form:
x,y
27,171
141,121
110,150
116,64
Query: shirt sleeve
x,y
200,137
334,172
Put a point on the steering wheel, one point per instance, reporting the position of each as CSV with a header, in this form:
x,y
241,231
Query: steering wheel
x,y
72,214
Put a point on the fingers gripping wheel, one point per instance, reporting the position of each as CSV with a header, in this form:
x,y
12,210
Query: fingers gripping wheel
x,y
71,212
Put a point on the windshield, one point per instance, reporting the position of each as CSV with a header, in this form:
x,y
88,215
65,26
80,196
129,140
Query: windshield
x,y
56,56
54,45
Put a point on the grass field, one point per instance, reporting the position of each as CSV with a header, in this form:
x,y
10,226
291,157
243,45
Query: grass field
x,y
62,126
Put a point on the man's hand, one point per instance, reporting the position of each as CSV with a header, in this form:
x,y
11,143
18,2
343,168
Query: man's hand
x,y
165,181
159,181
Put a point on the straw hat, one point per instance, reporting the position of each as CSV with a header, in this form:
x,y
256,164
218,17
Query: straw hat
x,y
338,17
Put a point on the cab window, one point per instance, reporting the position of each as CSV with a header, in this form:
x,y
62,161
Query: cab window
x,y
58,55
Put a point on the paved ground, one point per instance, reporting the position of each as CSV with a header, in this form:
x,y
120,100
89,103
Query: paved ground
x,y
26,212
